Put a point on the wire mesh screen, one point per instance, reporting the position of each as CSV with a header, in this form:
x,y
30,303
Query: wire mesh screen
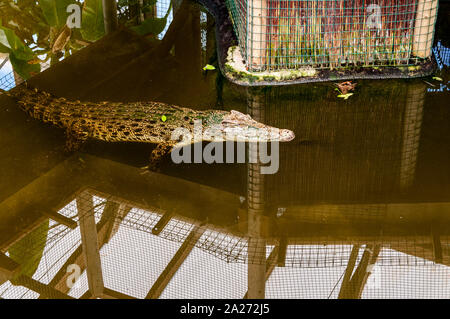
x,y
289,34
188,260
9,80
442,55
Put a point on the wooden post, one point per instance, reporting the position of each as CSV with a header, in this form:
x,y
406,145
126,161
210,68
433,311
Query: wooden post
x,y
256,267
353,285
89,241
256,43
141,16
282,252
106,228
45,291
412,123
345,286
163,221
424,28
436,243
364,271
175,263
5,58
110,15
176,5
113,294
63,220
255,199
8,268
270,264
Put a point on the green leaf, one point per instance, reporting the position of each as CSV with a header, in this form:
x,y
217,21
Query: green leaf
x,y
345,96
152,25
10,43
163,118
55,11
148,6
28,251
23,67
437,78
19,53
209,67
92,24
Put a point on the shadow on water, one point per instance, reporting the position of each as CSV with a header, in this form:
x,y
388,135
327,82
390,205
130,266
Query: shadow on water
x,y
363,189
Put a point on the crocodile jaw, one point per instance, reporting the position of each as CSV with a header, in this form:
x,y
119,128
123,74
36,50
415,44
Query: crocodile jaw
x,y
240,127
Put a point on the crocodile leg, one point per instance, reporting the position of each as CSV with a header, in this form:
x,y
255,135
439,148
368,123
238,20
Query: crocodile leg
x,y
75,138
158,153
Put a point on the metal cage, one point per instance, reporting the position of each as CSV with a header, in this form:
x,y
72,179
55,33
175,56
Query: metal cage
x,y
290,34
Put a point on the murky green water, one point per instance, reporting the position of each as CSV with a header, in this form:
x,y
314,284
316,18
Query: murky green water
x,y
365,185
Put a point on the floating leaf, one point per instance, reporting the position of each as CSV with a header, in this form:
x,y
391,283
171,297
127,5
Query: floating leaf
x,y
163,118
437,78
345,96
209,67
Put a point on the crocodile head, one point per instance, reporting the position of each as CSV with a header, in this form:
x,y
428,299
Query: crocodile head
x,y
239,127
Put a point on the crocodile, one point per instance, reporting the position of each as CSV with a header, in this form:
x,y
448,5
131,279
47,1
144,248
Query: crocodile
x,y
147,122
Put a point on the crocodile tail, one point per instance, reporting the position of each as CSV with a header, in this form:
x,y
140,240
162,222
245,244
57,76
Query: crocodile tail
x,y
13,93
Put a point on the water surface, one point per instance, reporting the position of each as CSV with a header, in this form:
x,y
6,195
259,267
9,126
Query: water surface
x,y
365,186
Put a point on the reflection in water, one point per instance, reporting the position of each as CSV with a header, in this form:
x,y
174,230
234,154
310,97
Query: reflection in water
x,y
126,256
442,55
411,134
360,207
255,205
